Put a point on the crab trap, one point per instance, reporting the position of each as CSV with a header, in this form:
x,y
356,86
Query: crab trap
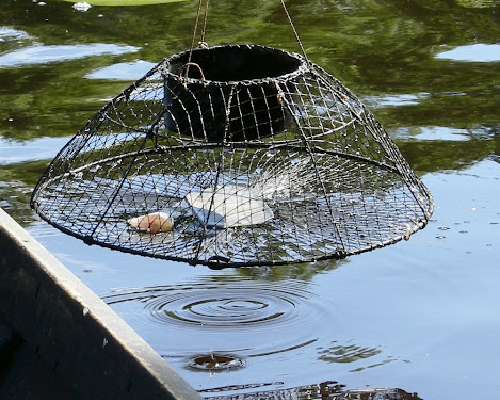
x,y
234,155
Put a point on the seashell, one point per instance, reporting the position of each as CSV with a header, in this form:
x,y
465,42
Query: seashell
x,y
154,223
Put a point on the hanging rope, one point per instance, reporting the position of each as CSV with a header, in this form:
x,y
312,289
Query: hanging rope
x,y
297,37
203,33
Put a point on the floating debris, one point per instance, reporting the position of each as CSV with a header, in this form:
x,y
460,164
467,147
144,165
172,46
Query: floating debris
x,y
82,6
216,362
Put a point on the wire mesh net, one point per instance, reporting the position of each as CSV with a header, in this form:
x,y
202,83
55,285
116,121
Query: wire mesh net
x,y
233,156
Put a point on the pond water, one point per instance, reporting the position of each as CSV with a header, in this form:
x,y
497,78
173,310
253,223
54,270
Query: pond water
x,y
420,315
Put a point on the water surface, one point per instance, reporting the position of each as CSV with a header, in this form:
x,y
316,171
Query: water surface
x,y
420,315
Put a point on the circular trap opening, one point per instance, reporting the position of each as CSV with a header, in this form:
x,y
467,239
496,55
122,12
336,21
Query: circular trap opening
x,y
236,93
236,63
216,362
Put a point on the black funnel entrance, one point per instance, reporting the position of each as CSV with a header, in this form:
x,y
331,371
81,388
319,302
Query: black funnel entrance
x,y
251,77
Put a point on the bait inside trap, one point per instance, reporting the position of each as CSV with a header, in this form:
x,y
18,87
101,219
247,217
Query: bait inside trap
x,y
234,155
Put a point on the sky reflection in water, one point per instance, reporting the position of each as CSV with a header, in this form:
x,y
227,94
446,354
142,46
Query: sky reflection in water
x,y
43,54
419,315
472,53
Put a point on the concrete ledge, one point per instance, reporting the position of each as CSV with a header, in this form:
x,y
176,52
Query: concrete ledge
x,y
78,336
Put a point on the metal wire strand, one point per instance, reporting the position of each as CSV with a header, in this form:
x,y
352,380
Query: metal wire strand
x,y
195,32
295,32
203,41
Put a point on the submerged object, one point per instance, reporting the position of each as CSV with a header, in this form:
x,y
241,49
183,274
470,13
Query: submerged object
x,y
258,163
229,208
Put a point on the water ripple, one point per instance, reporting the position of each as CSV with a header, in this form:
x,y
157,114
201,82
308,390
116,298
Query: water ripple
x,y
212,306
238,318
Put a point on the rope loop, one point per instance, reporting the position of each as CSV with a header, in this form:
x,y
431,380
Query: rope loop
x,y
193,64
203,34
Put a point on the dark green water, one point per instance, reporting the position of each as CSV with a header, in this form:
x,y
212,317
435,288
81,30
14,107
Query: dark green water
x,y
421,315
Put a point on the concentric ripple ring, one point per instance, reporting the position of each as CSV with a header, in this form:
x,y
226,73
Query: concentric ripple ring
x,y
243,318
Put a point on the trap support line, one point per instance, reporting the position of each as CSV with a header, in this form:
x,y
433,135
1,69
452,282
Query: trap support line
x,y
78,336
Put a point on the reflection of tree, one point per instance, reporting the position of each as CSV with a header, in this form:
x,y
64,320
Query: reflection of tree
x,y
303,271
477,3
323,391
16,183
346,354
438,156
14,199
372,46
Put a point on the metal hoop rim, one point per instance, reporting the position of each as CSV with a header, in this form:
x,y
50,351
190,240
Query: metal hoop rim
x,y
303,68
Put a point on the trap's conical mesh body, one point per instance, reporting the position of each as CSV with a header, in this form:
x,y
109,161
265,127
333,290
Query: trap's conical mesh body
x,y
258,158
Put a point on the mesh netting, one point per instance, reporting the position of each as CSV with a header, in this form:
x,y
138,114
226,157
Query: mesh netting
x,y
232,156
